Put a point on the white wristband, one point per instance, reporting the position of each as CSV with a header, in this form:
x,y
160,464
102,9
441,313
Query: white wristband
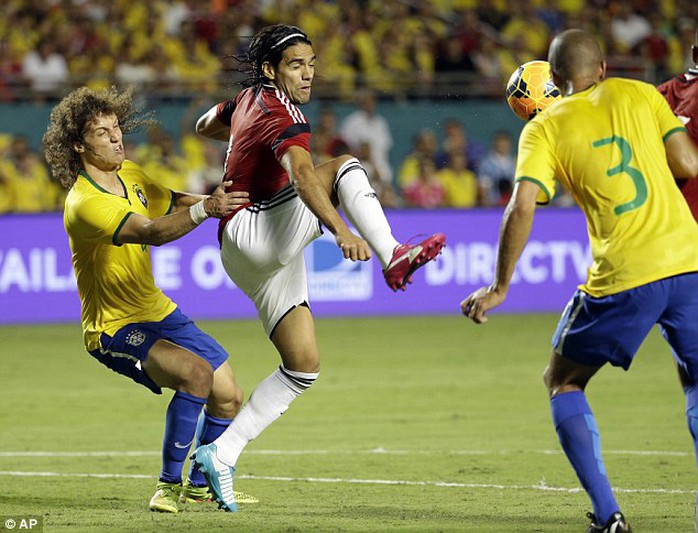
x,y
197,212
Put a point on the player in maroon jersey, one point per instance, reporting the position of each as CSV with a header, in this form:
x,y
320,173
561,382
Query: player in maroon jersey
x,y
291,201
682,94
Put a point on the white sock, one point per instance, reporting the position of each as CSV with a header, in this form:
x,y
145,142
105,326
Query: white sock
x,y
267,402
361,206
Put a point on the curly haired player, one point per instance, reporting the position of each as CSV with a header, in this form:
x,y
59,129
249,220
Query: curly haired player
x,y
113,213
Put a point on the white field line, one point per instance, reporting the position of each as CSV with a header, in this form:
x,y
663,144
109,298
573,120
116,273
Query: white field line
x,y
541,486
375,451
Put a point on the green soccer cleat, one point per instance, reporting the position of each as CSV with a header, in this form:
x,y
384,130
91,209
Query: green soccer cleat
x,y
243,497
193,494
165,498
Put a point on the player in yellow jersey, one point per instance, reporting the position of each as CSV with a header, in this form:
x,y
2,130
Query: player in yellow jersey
x,y
113,213
616,146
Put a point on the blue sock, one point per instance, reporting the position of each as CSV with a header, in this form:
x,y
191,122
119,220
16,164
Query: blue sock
x,y
180,426
208,429
692,419
579,436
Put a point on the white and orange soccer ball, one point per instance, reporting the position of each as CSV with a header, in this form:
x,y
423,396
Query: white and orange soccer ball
x,y
531,89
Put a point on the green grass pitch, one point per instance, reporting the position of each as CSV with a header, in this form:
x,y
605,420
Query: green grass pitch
x,y
416,424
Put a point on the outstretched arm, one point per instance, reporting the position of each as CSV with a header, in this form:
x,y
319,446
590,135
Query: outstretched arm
x,y
299,165
189,212
513,236
209,125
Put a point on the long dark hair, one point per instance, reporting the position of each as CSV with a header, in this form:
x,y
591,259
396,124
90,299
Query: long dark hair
x,y
268,44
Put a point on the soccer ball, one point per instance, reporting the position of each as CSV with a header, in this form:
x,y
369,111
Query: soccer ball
x,y
530,89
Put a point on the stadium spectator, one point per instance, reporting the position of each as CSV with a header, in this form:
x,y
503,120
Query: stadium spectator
x,y
525,32
681,56
426,191
493,13
628,28
643,271
681,92
204,177
6,189
326,142
135,68
291,199
460,184
654,49
113,213
424,145
451,58
31,189
160,157
493,63
367,125
550,13
496,171
45,69
10,70
455,139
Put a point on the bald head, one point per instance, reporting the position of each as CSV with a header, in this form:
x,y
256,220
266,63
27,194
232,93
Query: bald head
x,y
575,57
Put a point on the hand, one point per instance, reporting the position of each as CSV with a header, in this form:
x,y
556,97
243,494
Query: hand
x,y
353,247
479,302
221,203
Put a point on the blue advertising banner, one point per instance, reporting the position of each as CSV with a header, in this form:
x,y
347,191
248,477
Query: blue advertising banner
x,y
37,284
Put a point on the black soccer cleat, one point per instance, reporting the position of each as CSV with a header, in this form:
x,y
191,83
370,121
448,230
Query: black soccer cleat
x,y
615,524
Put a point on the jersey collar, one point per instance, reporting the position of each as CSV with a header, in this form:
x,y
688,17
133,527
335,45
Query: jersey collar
x,y
97,186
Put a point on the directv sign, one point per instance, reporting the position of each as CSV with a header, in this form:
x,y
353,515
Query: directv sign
x,y
37,282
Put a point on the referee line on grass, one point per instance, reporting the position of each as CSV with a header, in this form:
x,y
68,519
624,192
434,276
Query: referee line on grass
x,y
375,451
541,486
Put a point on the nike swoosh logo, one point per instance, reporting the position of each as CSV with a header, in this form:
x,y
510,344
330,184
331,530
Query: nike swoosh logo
x,y
414,252
183,446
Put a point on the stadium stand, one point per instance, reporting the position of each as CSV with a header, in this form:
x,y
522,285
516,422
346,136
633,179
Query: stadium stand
x,y
179,51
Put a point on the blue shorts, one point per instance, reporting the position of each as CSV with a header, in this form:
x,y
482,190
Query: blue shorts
x,y
128,348
594,331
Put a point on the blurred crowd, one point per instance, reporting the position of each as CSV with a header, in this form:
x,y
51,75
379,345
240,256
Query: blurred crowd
x,y
367,48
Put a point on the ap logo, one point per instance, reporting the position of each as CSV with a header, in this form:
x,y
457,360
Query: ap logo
x,y
333,278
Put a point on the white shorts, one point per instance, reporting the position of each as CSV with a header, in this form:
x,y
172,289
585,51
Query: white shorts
x,y
262,252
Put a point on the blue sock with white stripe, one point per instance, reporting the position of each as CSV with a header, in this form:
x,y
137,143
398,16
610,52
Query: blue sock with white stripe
x,y
180,427
579,436
208,429
267,402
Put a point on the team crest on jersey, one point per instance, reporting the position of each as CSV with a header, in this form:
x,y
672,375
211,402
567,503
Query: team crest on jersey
x,y
135,337
141,196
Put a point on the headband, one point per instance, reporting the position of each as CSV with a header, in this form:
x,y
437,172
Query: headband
x,y
287,38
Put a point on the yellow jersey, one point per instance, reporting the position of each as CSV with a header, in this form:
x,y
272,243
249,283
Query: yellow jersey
x,y
115,281
605,145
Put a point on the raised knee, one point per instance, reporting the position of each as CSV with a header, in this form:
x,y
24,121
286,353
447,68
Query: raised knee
x,y
226,404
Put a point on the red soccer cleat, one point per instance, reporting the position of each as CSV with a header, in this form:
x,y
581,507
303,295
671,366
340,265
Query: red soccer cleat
x,y
408,258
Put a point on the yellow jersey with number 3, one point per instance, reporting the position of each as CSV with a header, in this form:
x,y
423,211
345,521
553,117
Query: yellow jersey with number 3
x,y
605,145
115,281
